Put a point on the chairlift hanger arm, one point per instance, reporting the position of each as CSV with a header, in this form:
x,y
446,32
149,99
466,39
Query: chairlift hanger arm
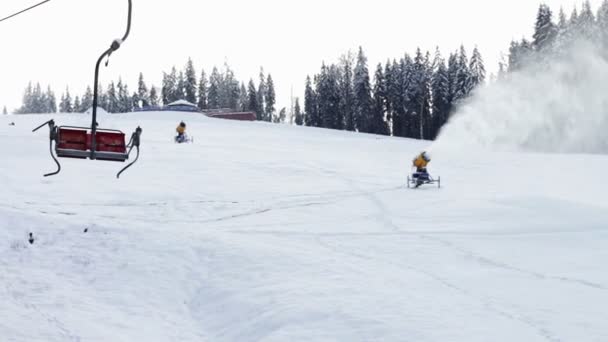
x,y
113,47
134,142
54,159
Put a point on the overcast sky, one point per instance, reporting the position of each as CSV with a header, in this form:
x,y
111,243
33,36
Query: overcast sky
x,y
58,43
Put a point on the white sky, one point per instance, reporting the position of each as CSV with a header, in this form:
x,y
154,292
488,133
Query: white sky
x,y
58,43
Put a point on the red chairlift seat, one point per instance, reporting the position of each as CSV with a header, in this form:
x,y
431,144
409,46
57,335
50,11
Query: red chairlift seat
x,y
82,143
76,142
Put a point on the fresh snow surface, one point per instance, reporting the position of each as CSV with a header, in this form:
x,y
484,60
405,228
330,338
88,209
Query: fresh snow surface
x,y
262,232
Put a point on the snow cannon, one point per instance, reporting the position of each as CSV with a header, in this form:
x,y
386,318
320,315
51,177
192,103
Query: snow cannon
x,y
421,178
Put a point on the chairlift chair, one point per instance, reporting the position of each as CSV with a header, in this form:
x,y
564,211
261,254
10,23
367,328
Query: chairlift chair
x,y
92,142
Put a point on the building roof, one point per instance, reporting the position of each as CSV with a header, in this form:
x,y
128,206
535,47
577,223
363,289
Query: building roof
x,y
181,103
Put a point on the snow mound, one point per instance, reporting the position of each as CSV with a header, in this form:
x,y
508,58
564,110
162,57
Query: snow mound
x,y
265,232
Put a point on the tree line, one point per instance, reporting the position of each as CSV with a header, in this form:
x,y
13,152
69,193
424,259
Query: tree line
x,y
416,95
555,36
221,89
410,97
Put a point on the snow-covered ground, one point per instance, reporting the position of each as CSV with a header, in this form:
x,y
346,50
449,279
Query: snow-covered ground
x,y
260,232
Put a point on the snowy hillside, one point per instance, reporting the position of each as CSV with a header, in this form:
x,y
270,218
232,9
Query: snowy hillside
x,y
261,232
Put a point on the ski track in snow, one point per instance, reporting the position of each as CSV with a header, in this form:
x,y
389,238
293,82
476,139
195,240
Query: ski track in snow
x,y
296,234
487,302
383,215
487,261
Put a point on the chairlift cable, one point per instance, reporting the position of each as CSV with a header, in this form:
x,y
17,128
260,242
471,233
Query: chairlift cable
x,y
25,10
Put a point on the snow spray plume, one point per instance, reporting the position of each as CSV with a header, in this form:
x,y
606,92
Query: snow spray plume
x,y
559,106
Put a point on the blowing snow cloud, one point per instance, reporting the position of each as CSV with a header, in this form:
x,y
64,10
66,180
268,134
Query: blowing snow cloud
x,y
558,106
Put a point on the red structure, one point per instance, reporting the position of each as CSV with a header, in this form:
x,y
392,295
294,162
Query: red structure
x,y
76,143
241,116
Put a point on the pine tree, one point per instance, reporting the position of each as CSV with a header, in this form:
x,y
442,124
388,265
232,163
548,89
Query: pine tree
x,y
477,70
328,100
165,89
396,94
153,97
363,100
125,101
440,89
26,100
44,103
168,87
429,130
190,82
261,97
561,34
502,70
310,105
51,101
174,83
574,27
235,99
298,113
347,95
420,98
134,102
112,99
526,51
202,91
270,98
215,82
66,103
180,89
229,89
389,84
453,78
281,117
62,108
38,100
586,22
521,54
143,97
120,90
243,99
602,24
410,98
77,104
545,30
335,75
35,101
120,97
103,100
87,100
378,123
252,95
463,77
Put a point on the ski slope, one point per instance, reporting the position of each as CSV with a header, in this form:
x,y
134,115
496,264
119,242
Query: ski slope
x,y
262,232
